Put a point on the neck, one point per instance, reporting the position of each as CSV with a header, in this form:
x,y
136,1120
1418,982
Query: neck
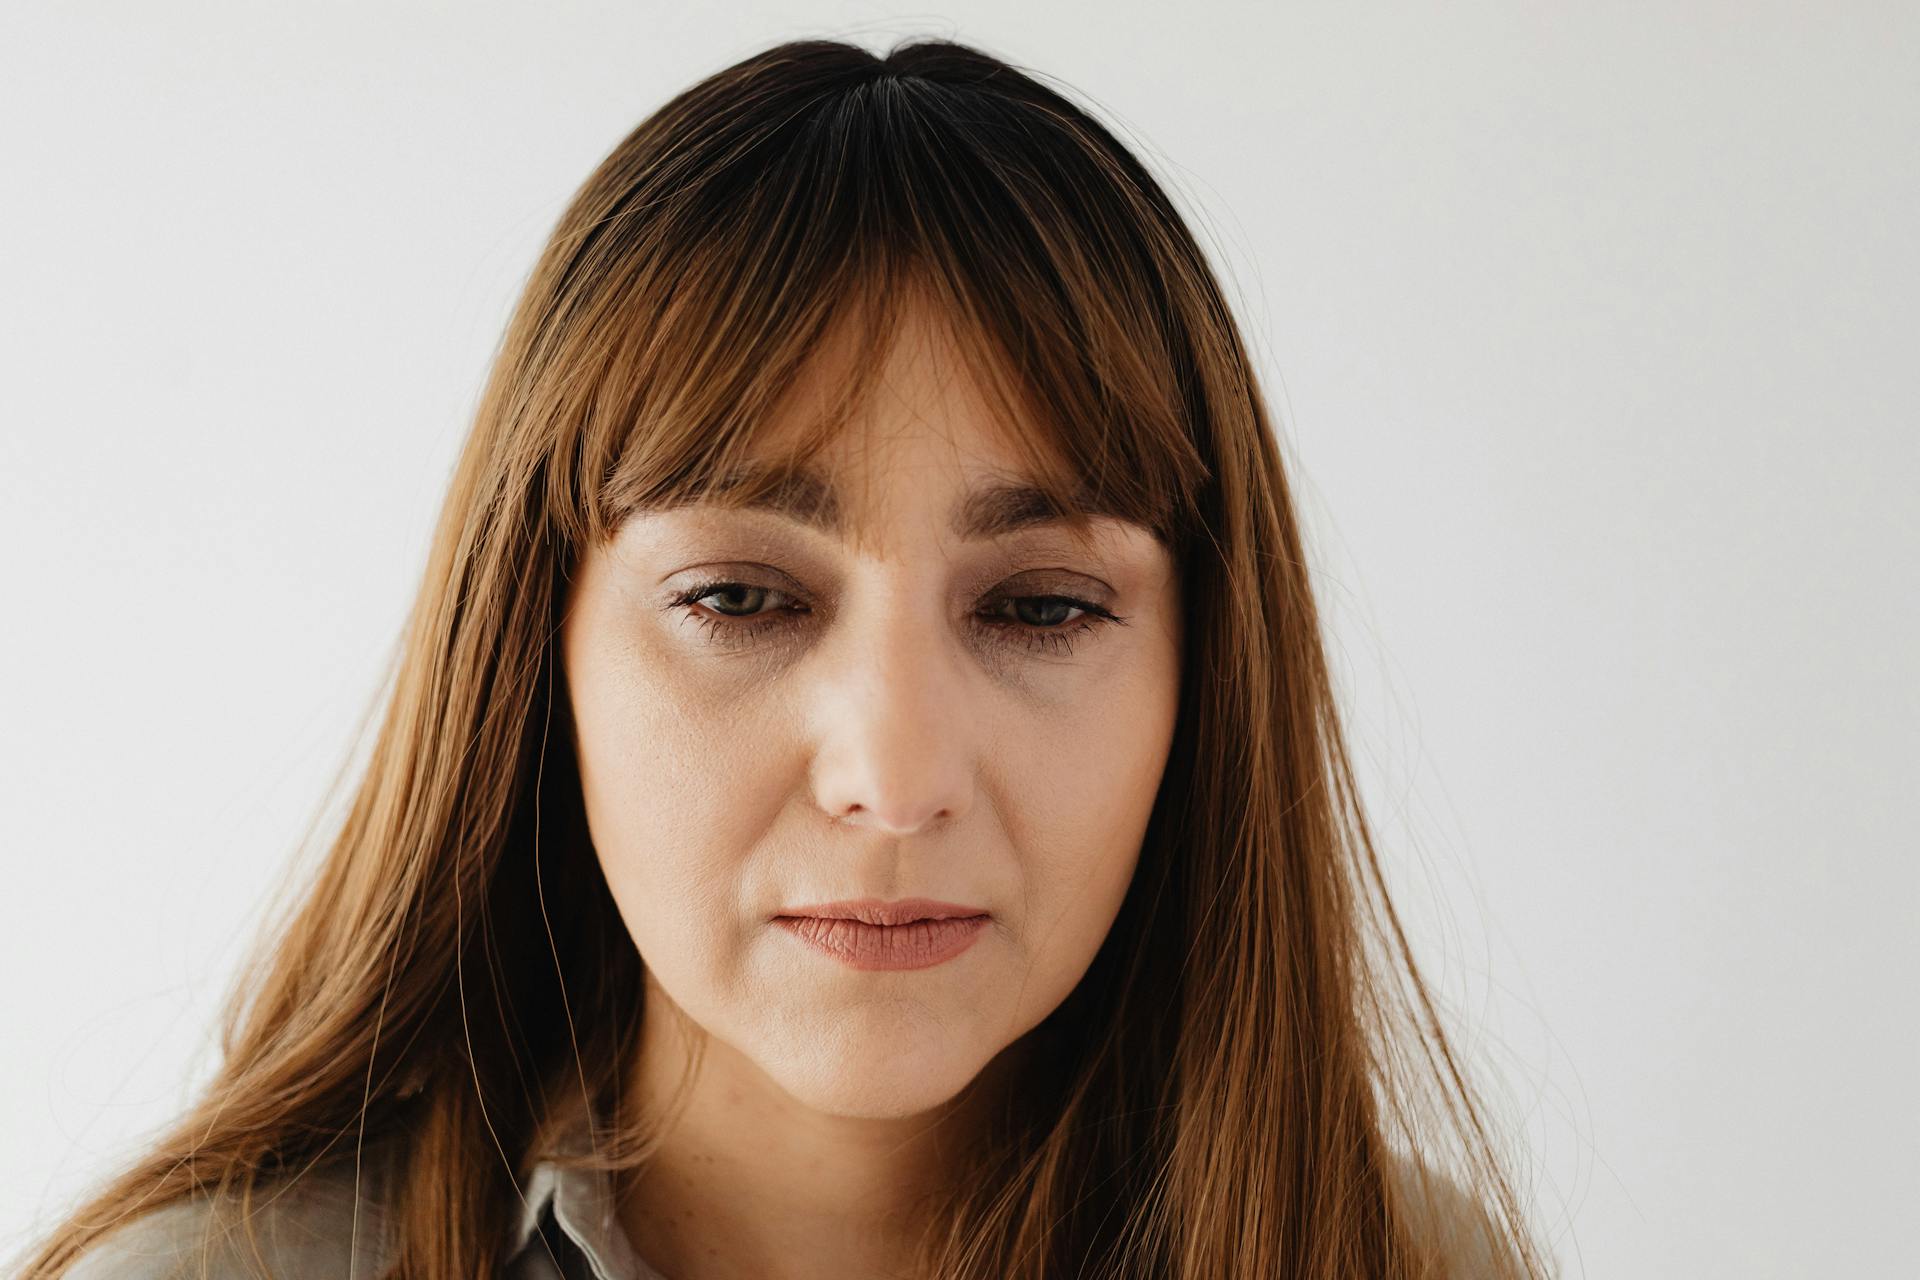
x,y
746,1181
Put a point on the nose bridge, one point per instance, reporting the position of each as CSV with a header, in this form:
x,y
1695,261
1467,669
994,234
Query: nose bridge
x,y
893,745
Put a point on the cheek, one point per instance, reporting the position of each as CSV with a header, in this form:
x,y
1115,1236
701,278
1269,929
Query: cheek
x,y
1083,781
675,797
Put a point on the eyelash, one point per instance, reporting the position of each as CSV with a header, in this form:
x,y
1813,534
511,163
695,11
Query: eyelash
x,y
743,629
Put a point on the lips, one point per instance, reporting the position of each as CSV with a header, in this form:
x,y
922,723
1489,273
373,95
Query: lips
x,y
911,933
881,911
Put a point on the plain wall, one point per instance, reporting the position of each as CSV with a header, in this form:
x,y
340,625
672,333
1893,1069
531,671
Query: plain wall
x,y
1591,330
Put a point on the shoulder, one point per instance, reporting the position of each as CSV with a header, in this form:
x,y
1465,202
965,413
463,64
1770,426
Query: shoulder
x,y
1447,1219
294,1229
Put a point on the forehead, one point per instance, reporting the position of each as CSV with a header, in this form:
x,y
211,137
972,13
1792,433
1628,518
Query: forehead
x,y
923,397
928,433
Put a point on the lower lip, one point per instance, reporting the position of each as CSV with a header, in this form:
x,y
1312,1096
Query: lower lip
x,y
919,945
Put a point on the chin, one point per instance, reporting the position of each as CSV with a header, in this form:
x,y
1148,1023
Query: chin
x,y
866,1081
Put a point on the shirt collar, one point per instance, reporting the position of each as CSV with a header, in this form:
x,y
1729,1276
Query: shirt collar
x,y
583,1206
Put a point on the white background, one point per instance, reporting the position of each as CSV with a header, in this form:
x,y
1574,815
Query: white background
x,y
1593,331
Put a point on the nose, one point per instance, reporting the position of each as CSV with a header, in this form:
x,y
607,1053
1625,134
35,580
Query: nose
x,y
894,735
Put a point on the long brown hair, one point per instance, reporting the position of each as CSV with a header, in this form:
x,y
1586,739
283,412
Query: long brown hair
x,y
1253,1049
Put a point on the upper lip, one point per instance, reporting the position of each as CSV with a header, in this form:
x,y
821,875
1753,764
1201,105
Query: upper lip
x,y
881,911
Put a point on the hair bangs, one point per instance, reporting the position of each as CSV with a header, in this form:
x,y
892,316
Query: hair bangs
x,y
809,241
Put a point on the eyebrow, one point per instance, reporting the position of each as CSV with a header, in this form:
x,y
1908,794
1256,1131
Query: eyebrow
x,y
989,511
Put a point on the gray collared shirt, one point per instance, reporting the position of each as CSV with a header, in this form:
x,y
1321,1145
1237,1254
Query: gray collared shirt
x,y
593,1244
316,1226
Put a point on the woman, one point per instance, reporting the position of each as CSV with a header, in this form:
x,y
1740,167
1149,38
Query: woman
x,y
861,793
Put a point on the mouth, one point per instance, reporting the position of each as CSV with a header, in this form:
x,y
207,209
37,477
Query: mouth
x,y
913,933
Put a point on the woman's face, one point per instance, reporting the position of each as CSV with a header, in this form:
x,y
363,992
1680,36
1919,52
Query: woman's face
x,y
772,713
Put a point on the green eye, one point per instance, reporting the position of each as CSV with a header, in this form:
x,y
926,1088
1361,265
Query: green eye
x,y
736,599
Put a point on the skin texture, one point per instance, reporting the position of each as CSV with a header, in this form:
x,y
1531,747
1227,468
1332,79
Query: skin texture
x,y
893,725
